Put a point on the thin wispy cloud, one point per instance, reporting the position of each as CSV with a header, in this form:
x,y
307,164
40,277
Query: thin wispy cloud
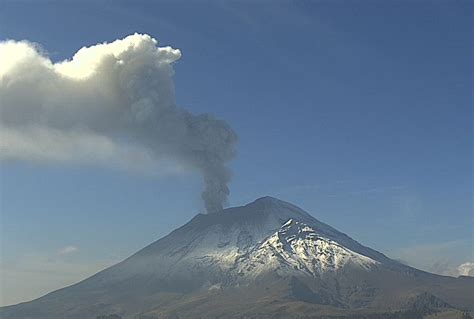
x,y
68,250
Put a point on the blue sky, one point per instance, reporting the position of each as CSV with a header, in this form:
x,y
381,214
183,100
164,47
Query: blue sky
x,y
358,112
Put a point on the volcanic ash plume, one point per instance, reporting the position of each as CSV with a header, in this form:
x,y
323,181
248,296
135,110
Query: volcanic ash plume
x,y
112,104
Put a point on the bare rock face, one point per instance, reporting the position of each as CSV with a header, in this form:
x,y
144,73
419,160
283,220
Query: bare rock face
x,y
267,259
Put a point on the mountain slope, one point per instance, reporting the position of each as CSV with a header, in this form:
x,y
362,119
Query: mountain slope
x,y
248,260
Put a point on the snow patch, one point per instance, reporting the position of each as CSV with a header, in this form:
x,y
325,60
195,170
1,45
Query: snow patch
x,y
297,247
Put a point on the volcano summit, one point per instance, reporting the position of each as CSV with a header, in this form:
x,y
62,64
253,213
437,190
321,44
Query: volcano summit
x,y
267,259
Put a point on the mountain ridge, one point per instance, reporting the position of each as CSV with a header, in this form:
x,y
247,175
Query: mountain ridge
x,y
269,249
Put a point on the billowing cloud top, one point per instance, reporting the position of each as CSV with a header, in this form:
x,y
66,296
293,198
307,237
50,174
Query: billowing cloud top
x,y
113,104
466,269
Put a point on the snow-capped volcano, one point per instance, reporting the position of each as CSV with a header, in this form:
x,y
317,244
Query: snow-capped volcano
x,y
217,245
262,258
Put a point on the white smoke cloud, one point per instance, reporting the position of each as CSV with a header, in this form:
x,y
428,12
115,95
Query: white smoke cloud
x,y
111,104
466,269
67,250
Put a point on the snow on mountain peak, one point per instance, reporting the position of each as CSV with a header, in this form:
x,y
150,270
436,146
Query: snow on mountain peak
x,y
297,247
265,236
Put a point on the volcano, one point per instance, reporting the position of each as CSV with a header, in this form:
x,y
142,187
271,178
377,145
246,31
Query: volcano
x,y
267,259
